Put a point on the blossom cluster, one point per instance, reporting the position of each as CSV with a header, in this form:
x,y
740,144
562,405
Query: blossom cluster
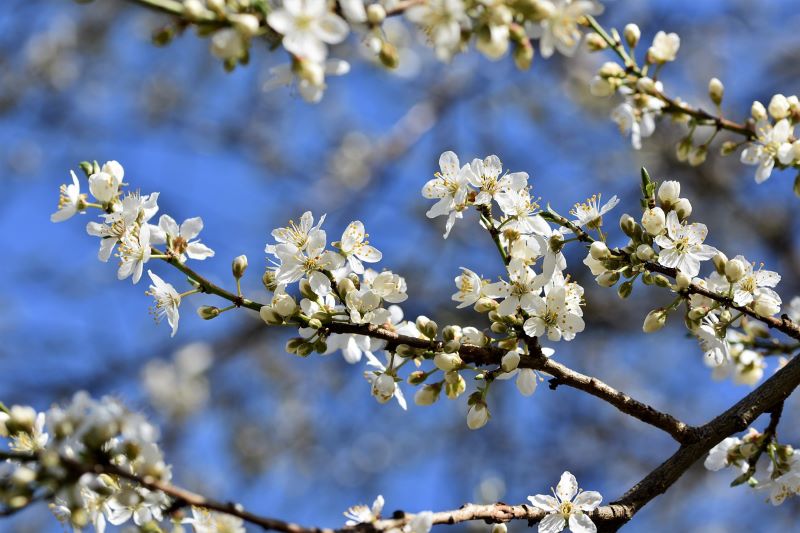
x,y
663,240
57,450
125,230
307,29
761,462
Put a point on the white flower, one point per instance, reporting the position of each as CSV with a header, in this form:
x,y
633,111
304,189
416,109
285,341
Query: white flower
x,y
450,187
352,346
134,252
714,346
295,234
469,286
636,115
384,387
167,301
748,284
524,286
682,247
553,315
518,205
568,507
794,309
70,202
590,214
720,455
143,506
485,174
665,47
771,143
309,76
442,20
306,26
354,246
204,521
361,514
295,262
179,239
559,30
364,307
389,286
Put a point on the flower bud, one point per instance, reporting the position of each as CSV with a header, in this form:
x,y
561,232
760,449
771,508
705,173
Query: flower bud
x,y
294,343
376,14
682,281
715,91
645,252
500,528
428,394
284,305
628,225
344,287
484,305
510,361
269,316
720,260
654,320
238,266
601,87
734,270
599,250
388,55
216,5
315,323
595,43
766,305
451,333
625,289
305,349
728,147
447,362
478,416
608,279
306,291
757,111
454,385
683,208
427,327
778,107
683,149
498,327
383,388
523,55
632,34
246,24
207,312
611,69
646,85
698,155
654,220
194,9
669,192
268,279
472,335
417,377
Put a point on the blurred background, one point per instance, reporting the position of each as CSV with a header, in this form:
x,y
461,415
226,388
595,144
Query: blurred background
x,y
301,439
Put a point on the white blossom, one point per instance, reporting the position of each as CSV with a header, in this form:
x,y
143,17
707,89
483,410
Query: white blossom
x,y
469,286
179,238
553,316
442,21
590,213
682,247
559,29
450,187
70,201
567,507
771,144
361,514
487,176
167,301
307,26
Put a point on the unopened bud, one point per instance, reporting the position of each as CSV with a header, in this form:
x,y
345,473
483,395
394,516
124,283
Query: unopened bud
x,y
388,55
654,220
734,270
661,281
669,192
305,349
645,252
269,316
484,305
654,320
698,155
428,394
427,327
207,312
451,333
608,279
523,55
683,149
728,147
293,344
238,266
510,361
417,377
683,208
269,281
625,289
376,14
595,43
628,225
758,111
599,250
632,34
716,91
447,362
720,260
245,24
682,281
